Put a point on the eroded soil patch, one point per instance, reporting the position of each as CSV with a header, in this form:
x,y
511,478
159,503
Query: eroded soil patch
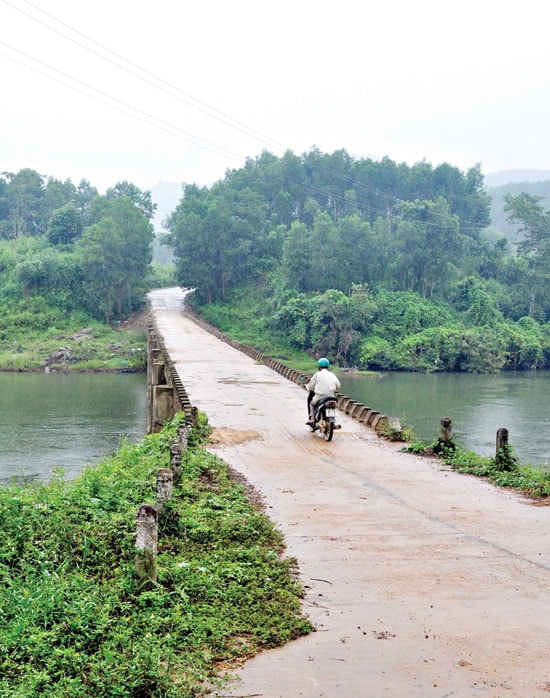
x,y
223,436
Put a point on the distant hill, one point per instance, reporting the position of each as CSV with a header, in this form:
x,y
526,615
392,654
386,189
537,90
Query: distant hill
x,y
534,182
167,196
497,179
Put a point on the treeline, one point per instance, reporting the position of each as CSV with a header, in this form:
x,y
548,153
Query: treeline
x,y
68,247
376,264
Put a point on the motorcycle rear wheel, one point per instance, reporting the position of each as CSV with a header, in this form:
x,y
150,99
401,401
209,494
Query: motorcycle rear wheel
x,y
328,431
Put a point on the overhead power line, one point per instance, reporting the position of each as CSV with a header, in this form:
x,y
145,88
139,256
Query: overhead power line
x,y
157,82
174,91
136,113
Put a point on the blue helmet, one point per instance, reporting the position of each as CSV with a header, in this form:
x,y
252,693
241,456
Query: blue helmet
x,y
323,363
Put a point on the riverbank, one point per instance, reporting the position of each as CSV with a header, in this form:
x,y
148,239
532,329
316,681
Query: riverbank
x,y
71,346
75,620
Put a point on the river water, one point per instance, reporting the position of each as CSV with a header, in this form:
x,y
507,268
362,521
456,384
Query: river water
x,y
477,404
53,420
66,421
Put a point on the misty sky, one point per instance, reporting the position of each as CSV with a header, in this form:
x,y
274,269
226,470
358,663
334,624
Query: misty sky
x,y
212,82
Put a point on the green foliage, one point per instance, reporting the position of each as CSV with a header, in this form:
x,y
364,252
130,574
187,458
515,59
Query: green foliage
x,y
141,200
301,235
504,470
380,330
65,225
74,619
116,253
452,348
24,195
220,237
32,332
337,321
534,222
313,216
105,272
161,275
377,352
418,447
396,432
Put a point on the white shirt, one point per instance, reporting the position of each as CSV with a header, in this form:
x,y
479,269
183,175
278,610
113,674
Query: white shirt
x,y
323,383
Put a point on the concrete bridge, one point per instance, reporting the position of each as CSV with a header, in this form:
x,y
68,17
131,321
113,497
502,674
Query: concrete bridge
x,y
420,581
166,394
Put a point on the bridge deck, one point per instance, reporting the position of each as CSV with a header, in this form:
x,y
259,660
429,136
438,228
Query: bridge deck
x,y
421,582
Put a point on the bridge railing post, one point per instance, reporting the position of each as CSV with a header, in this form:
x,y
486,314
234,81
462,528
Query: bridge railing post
x,y
146,543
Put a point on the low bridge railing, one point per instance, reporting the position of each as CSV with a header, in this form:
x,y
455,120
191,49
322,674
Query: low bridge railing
x,y
166,394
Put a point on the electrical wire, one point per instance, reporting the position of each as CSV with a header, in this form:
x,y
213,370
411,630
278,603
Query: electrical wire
x,y
204,108
164,125
181,94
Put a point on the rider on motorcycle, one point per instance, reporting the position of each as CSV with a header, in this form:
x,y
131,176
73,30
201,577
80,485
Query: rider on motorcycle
x,y
322,384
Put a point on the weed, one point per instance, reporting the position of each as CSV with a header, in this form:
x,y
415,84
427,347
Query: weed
x,y
73,621
393,430
416,446
504,470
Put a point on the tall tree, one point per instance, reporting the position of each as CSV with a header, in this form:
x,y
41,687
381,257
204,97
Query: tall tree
x,y
141,199
58,194
220,238
85,193
25,195
428,242
298,251
65,225
526,211
116,254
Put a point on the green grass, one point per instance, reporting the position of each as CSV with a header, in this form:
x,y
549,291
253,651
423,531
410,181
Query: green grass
x,y
504,471
74,618
101,349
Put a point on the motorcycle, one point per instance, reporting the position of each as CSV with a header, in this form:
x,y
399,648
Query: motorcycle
x,y
325,418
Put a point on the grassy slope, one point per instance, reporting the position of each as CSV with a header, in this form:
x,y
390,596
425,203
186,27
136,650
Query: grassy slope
x,y
38,336
73,619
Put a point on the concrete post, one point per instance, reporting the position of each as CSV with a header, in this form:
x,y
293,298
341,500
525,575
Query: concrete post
x,y
175,461
146,543
445,438
183,433
502,440
165,485
446,431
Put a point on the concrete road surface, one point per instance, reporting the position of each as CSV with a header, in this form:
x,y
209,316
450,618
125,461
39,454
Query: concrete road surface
x,y
420,581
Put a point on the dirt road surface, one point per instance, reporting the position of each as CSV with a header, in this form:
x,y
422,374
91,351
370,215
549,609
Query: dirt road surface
x,y
420,581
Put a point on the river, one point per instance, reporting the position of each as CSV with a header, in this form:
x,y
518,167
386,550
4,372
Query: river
x,y
53,420
477,404
66,421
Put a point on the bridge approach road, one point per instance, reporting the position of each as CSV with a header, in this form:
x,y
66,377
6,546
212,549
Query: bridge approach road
x,y
420,581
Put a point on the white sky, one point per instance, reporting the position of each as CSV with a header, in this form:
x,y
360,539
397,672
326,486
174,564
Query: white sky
x,y
461,82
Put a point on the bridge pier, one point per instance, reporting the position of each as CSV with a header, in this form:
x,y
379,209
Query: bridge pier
x,y
162,398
